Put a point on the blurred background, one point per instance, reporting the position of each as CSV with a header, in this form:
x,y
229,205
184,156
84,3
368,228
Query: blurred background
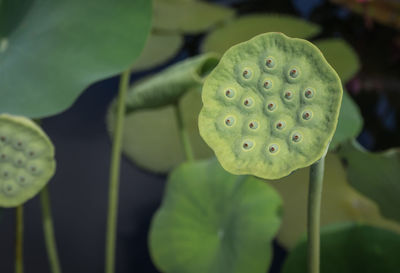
x,y
79,187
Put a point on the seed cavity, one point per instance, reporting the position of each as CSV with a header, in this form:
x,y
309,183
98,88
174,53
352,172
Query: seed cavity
x,y
296,137
288,95
248,102
267,84
247,145
270,63
280,125
3,156
3,139
273,148
307,115
253,125
247,73
229,121
21,179
271,106
6,174
229,93
294,73
309,93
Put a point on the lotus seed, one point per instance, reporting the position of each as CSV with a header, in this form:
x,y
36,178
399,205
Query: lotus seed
x,y
248,102
247,74
247,145
229,93
253,125
280,125
307,115
280,90
273,148
267,84
270,62
309,93
294,73
229,121
296,137
288,95
271,106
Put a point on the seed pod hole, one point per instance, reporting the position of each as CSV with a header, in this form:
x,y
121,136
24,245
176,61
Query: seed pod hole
x,y
280,125
3,156
6,174
31,153
294,72
247,145
3,138
307,115
248,102
273,148
271,106
229,93
288,95
253,125
229,121
21,179
247,73
270,63
296,137
267,84
308,93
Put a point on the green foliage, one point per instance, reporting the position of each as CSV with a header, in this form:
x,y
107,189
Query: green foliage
x,y
188,16
26,160
170,84
270,106
341,56
350,248
246,27
376,175
159,48
53,50
349,124
151,138
212,221
340,202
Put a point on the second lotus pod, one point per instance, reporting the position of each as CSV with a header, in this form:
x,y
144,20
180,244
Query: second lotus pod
x,y
270,106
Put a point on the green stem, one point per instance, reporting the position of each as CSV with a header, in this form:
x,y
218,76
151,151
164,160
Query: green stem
x,y
183,134
19,239
114,174
48,230
314,208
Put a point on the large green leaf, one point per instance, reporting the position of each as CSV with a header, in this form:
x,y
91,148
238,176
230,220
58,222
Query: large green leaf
x,y
350,248
188,16
341,56
212,221
340,202
350,122
246,27
55,49
376,175
160,47
151,138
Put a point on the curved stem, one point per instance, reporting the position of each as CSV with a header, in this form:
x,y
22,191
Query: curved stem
x,y
48,230
114,175
183,134
19,239
314,208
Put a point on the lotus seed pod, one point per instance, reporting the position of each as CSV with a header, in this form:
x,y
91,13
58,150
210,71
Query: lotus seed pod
x,y
26,160
285,106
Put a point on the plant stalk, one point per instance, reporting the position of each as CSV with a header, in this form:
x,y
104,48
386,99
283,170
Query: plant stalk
x,y
183,134
48,230
114,175
19,239
313,220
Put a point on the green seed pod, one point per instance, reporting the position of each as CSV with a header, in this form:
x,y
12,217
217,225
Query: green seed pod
x,y
289,88
26,160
